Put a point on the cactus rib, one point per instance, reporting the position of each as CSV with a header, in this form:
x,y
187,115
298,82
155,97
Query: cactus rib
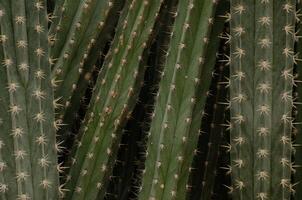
x,y
168,136
26,79
261,81
111,101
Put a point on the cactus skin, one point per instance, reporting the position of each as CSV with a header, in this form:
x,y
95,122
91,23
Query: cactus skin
x,y
125,179
284,59
64,10
298,117
54,18
111,102
216,136
238,109
29,168
187,186
168,136
87,23
201,183
216,130
85,79
261,84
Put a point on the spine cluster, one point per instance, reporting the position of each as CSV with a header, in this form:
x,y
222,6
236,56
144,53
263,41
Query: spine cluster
x,y
261,98
28,132
112,102
173,134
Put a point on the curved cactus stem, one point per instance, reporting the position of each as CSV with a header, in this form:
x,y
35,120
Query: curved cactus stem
x,y
69,114
168,137
88,23
126,173
206,74
261,98
29,135
216,133
111,102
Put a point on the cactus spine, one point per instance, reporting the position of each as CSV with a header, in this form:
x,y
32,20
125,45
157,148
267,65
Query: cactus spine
x,y
169,137
216,132
297,178
76,33
261,98
111,102
27,104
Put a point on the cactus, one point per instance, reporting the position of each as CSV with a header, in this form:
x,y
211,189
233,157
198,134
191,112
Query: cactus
x,y
168,156
112,101
206,155
126,173
297,179
69,114
28,149
216,136
261,98
72,38
109,99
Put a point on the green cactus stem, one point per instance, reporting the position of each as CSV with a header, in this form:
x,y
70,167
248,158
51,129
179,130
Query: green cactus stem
x,y
261,98
298,112
112,101
69,115
29,167
212,129
169,136
185,185
216,135
87,23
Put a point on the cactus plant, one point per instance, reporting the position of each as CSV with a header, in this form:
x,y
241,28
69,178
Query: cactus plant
x,y
261,98
28,142
298,114
112,101
109,99
169,138
71,40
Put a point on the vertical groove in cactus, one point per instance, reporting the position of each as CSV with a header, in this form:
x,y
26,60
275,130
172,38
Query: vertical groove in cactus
x,y
27,103
112,101
168,136
88,111
261,98
60,28
263,104
202,181
284,58
126,173
241,93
